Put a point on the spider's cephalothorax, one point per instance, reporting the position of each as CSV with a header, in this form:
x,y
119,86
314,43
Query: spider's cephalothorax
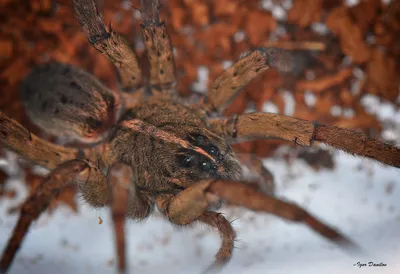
x,y
132,152
183,151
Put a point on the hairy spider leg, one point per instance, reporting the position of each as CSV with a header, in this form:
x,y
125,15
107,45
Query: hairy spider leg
x,y
120,177
109,43
302,132
159,48
238,193
17,138
229,84
96,191
38,202
191,205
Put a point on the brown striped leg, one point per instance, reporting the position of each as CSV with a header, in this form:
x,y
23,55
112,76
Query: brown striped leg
x,y
227,235
302,132
228,85
120,179
237,193
159,48
38,201
266,182
126,202
190,205
17,138
110,43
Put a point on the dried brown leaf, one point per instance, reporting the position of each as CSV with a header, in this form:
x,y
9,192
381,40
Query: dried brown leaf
x,y
351,37
225,8
383,75
258,24
325,82
305,12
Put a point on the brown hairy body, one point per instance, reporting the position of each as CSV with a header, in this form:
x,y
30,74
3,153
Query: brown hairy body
x,y
145,147
165,119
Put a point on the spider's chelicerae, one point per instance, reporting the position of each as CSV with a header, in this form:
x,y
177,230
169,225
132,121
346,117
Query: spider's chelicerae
x,y
149,148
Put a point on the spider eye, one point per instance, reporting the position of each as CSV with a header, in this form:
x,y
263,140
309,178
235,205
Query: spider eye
x,y
206,166
213,150
187,161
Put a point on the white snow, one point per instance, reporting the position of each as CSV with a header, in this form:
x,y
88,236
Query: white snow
x,y
270,107
200,85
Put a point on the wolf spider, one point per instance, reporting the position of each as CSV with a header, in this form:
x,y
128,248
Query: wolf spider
x,y
135,151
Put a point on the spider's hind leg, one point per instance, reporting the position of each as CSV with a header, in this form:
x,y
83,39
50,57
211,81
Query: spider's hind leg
x,y
38,202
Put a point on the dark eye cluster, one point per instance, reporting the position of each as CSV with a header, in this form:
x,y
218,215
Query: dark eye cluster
x,y
195,159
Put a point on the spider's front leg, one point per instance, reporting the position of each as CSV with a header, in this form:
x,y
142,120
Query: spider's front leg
x,y
110,43
229,84
191,205
303,132
269,125
38,201
238,193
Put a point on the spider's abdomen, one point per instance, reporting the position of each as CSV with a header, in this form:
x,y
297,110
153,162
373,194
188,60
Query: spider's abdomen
x,y
66,101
